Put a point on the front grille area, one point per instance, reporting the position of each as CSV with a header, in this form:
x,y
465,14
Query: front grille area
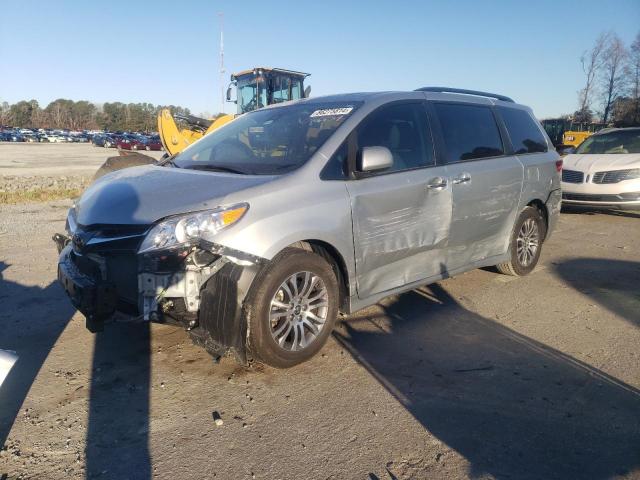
x,y
120,269
612,176
572,176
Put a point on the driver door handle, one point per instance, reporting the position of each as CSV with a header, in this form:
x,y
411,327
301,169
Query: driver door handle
x,y
437,183
462,178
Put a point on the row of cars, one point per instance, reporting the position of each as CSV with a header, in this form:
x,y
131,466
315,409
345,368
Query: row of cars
x,y
122,140
41,137
127,141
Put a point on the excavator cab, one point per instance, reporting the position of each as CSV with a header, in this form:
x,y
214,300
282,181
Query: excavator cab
x,y
264,86
255,88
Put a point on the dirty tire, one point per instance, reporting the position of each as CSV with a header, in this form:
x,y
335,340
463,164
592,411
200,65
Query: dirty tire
x,y
119,162
515,266
258,307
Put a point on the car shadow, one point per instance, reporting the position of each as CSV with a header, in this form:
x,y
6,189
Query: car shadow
x,y
117,443
614,284
30,327
511,406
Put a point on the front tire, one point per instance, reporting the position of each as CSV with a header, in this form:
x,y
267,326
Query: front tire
x,y
525,244
293,308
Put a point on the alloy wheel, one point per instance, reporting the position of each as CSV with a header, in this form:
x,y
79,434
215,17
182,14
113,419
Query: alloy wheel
x,y
298,311
528,242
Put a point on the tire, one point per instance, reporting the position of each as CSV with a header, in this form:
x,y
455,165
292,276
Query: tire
x,y
107,145
276,333
147,148
525,244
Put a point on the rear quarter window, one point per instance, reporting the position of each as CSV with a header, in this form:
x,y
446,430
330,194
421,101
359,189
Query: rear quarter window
x,y
469,131
524,132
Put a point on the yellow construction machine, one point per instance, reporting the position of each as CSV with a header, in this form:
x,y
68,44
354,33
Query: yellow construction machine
x,y
255,88
564,132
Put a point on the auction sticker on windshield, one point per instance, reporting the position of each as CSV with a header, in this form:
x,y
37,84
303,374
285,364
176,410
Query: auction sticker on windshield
x,y
328,112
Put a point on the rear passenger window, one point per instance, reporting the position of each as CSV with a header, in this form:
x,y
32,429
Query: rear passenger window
x,y
525,134
404,130
469,131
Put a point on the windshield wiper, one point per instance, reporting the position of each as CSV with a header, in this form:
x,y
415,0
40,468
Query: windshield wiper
x,y
168,161
216,168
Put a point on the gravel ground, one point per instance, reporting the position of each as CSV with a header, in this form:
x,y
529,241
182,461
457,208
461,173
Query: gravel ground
x,y
479,376
33,166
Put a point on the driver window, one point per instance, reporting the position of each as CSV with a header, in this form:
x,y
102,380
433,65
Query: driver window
x,y
402,128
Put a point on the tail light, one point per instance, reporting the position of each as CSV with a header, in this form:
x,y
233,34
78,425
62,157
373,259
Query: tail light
x,y
558,165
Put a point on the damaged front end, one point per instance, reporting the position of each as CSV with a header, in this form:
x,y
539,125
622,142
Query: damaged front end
x,y
152,273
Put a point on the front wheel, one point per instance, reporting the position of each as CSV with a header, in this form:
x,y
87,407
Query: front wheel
x,y
526,243
293,308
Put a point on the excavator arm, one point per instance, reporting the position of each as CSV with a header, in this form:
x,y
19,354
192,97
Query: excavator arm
x,y
174,139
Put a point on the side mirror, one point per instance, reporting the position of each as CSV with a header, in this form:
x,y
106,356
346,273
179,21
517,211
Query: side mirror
x,y
375,158
229,94
307,91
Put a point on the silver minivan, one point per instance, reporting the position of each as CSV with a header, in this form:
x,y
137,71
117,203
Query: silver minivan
x,y
255,237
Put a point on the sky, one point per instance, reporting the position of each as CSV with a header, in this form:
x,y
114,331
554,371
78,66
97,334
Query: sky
x,y
167,52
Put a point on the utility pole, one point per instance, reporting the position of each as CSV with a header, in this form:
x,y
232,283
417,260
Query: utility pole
x,y
222,95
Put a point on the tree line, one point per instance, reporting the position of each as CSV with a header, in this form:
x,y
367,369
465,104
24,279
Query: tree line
x,y
84,115
611,92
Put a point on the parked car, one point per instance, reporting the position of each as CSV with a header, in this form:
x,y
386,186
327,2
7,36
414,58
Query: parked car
x,y
131,142
111,141
79,138
13,136
152,143
604,171
257,235
98,139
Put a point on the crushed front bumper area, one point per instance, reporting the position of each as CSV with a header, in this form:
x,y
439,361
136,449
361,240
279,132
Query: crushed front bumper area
x,y
95,299
200,288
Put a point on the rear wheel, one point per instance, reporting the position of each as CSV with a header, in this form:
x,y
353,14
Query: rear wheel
x,y
526,243
293,308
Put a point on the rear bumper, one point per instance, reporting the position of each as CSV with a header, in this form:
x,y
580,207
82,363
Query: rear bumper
x,y
553,204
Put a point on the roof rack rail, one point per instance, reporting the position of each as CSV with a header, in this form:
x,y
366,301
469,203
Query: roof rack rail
x,y
465,92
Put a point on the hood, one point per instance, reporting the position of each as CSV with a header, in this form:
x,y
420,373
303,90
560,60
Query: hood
x,y
143,195
591,163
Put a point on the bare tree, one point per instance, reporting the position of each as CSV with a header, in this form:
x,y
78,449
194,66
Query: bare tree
x,y
6,116
634,72
592,62
612,73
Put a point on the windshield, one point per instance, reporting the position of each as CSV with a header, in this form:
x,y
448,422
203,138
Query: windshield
x,y
267,142
252,93
618,142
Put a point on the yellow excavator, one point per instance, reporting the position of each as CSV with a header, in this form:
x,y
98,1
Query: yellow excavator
x,y
255,88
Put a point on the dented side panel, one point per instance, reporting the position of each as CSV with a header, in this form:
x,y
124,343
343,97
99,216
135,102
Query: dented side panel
x,y
400,228
484,208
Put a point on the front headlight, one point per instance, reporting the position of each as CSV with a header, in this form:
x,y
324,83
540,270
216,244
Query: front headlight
x,y
191,228
632,174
